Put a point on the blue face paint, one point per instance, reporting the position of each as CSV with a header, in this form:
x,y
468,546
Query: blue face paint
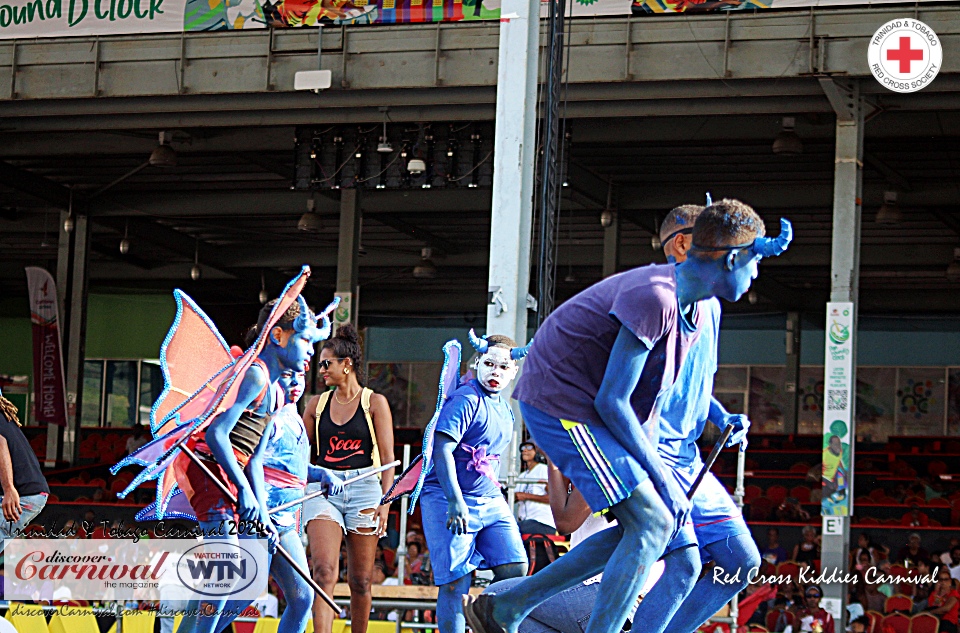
x,y
292,383
298,351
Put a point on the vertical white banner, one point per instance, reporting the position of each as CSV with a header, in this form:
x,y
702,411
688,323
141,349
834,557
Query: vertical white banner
x,y
839,391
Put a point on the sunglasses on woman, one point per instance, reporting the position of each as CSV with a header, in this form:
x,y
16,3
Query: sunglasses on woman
x,y
326,362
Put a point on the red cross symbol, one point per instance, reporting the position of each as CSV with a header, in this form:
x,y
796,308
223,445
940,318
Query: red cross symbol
x,y
905,55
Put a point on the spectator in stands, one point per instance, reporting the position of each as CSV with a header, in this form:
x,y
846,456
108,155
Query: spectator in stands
x,y
922,591
873,549
25,488
416,570
954,565
533,501
811,617
945,557
915,518
808,549
860,624
774,552
910,554
944,602
872,599
863,560
138,439
790,511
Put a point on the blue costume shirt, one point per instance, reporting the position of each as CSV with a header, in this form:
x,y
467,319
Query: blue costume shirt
x,y
288,448
477,420
685,407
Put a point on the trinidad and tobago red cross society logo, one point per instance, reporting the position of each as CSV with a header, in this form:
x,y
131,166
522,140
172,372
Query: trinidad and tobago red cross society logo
x,y
905,55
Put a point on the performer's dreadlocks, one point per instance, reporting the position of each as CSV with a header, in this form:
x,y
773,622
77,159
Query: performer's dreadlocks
x,y
9,410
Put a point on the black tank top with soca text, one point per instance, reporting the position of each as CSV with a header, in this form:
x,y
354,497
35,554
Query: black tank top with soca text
x,y
343,446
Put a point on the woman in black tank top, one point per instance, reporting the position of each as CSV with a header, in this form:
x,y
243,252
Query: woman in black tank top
x,y
346,446
340,440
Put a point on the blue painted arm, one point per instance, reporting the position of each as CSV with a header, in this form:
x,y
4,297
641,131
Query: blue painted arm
x,y
722,419
320,475
624,368
218,439
254,473
446,467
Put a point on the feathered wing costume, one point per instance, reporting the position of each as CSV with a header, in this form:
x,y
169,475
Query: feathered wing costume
x,y
201,380
411,480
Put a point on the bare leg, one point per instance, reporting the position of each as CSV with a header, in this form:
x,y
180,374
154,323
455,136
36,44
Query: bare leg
x,y
325,536
361,553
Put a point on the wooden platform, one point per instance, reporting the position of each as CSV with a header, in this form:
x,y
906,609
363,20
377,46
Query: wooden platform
x,y
397,592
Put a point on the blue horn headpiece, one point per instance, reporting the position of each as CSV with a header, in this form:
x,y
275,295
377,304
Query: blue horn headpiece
x,y
482,345
518,353
773,246
320,324
709,199
479,344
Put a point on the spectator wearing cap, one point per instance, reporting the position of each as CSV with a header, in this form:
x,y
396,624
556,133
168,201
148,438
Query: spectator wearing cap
x,y
813,618
25,488
911,553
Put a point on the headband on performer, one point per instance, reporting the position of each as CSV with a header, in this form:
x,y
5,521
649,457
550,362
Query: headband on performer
x,y
761,246
483,346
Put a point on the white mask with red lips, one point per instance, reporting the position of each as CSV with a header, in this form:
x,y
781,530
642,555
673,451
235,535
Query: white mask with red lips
x,y
495,369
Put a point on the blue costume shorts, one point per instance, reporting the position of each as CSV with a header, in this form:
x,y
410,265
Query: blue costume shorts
x,y
714,516
591,456
493,537
289,519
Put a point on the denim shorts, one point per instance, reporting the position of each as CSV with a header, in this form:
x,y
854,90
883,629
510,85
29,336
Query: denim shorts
x,y
354,508
288,519
30,507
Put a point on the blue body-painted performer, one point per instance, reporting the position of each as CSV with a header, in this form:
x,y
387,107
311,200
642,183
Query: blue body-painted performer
x,y
466,521
286,472
228,411
610,352
679,603
233,445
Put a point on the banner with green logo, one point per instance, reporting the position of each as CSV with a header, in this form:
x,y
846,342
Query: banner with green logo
x,y
839,387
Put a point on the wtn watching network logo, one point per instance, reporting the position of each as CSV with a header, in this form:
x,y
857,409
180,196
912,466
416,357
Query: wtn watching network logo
x,y
219,569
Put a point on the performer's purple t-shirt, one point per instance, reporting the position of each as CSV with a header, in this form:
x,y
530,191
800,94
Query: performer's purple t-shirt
x,y
563,371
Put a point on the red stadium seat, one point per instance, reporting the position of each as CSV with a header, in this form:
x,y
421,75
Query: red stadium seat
x,y
788,568
924,623
777,493
898,602
897,621
802,493
875,619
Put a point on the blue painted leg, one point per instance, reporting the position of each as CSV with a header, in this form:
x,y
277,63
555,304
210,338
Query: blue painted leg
x,y
449,608
709,596
647,525
681,570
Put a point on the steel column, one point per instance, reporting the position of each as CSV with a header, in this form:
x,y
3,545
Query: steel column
x,y
348,256
792,377
76,339
844,285
514,157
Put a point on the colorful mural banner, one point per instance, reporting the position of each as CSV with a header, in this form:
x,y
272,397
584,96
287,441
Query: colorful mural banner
x,y
63,18
49,387
838,402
